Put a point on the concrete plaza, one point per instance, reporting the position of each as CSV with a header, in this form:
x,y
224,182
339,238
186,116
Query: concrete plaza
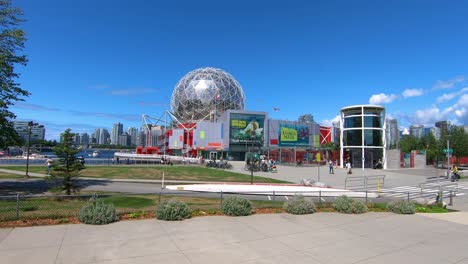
x,y
274,238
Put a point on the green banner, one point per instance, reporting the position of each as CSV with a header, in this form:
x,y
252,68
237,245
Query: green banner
x,y
246,129
293,135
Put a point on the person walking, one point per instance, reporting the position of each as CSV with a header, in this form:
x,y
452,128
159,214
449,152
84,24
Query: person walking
x,y
49,165
348,166
330,165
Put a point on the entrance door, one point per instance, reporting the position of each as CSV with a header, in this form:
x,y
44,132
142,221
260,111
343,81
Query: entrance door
x,y
213,155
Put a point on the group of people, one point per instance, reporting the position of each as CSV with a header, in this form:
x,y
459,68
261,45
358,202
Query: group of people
x,y
264,164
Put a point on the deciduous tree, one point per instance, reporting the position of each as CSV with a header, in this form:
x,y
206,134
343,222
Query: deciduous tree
x,y
11,45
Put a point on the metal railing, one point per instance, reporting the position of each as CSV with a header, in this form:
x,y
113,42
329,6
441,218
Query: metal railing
x,y
24,207
364,183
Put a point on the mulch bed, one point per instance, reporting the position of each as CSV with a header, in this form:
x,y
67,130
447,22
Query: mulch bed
x,y
132,216
124,217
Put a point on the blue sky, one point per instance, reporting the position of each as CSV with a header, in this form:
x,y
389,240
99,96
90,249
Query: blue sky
x,y
96,63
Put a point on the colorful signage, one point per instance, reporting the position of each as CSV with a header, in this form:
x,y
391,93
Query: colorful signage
x,y
293,135
246,129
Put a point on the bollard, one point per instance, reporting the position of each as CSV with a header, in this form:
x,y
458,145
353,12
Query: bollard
x,y
320,198
408,197
274,196
17,206
366,196
451,198
221,198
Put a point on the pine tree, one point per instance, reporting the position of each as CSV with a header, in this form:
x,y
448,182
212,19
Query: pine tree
x,y
68,166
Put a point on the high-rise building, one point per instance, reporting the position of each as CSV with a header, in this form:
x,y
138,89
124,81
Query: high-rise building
x,y
77,139
392,133
443,126
22,128
152,135
117,130
417,131
141,139
124,140
84,140
133,132
104,137
436,132
96,135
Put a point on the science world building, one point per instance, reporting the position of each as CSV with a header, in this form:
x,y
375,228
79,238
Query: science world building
x,y
208,119
362,137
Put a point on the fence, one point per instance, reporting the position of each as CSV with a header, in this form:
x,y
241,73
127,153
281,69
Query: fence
x,y
365,183
27,207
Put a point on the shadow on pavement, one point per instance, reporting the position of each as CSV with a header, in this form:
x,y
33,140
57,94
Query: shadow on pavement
x,y
36,186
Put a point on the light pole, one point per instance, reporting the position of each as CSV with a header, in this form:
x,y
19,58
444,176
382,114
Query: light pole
x,y
252,162
448,158
30,125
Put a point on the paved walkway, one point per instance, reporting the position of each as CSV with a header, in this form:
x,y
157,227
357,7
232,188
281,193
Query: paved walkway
x,y
276,238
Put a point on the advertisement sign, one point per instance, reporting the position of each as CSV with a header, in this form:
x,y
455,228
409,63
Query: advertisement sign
x,y
246,128
293,135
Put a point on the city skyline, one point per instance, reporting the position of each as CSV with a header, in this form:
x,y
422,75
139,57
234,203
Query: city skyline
x,y
92,65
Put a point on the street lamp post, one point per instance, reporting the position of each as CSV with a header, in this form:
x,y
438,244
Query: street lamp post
x,y
448,158
251,160
30,125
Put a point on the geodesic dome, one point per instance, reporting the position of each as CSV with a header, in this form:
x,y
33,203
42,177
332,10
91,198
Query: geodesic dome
x,y
206,91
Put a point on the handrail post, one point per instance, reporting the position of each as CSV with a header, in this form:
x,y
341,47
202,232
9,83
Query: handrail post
x,y
17,205
451,198
320,197
221,198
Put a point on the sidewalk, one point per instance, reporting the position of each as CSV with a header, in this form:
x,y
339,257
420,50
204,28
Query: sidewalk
x,y
41,175
275,238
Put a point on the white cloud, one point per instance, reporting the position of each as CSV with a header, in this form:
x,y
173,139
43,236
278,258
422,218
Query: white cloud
x,y
382,98
429,116
462,112
450,96
329,122
35,107
463,101
448,84
412,92
446,97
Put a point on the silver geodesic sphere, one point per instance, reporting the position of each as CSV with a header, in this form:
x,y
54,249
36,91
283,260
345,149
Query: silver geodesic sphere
x,y
203,92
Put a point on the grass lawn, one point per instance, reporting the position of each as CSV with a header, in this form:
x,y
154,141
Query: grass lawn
x,y
4,175
184,173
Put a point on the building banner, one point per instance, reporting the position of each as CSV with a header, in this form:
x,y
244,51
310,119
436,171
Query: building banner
x,y
293,135
246,128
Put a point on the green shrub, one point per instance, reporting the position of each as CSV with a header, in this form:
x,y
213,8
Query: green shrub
x,y
29,208
344,204
96,212
402,207
173,210
299,205
236,206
